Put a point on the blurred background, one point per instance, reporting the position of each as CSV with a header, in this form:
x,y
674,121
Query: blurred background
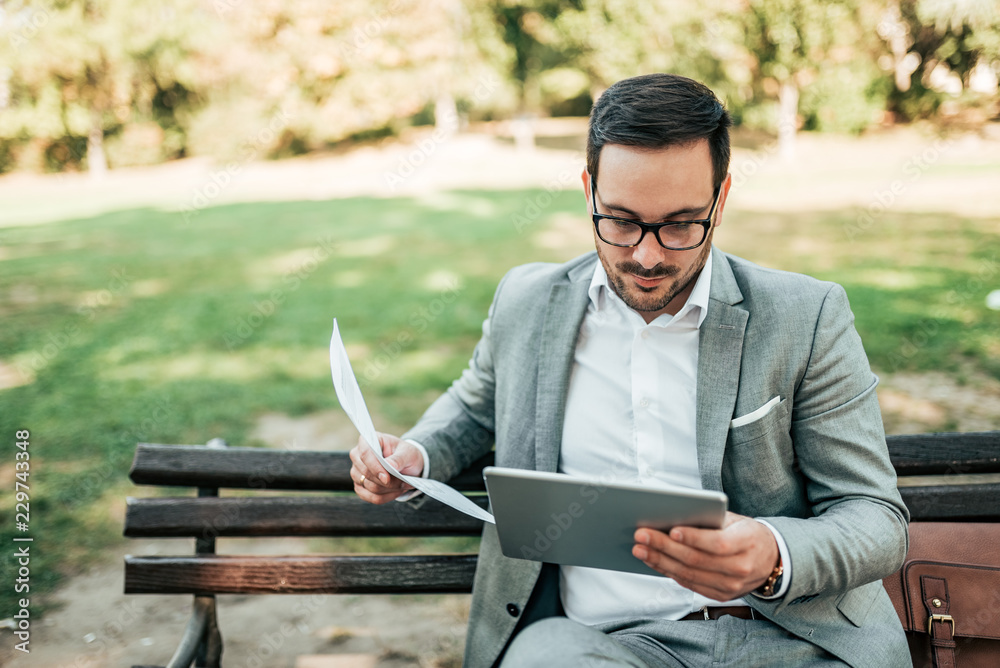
x,y
190,190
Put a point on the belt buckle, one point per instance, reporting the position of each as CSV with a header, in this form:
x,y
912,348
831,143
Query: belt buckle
x,y
704,611
939,618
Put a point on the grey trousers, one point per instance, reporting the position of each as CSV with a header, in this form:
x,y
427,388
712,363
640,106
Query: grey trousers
x,y
651,643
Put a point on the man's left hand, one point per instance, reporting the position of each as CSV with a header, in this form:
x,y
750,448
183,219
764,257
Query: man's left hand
x,y
721,564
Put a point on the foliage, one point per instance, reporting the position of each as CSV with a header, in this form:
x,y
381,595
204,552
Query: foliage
x,y
943,36
146,81
83,67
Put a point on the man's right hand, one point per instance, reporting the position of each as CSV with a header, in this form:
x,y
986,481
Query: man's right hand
x,y
371,481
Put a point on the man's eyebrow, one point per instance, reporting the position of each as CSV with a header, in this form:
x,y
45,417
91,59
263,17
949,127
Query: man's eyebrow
x,y
690,209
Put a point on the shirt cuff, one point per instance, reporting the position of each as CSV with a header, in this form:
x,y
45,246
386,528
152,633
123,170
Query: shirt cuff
x,y
424,473
786,566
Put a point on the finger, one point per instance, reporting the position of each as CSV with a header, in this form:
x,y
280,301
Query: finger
x,y
358,469
730,541
386,445
658,542
709,583
374,497
360,476
377,472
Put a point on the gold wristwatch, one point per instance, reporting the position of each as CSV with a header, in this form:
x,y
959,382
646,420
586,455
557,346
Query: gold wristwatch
x,y
773,580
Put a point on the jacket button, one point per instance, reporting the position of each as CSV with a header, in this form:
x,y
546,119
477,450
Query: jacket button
x,y
513,610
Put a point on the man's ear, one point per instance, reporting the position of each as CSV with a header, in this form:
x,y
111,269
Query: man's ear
x,y
585,178
726,185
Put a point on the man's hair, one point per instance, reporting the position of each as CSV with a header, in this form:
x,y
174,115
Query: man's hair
x,y
656,111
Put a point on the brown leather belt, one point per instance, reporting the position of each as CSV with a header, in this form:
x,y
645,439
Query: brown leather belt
x,y
714,612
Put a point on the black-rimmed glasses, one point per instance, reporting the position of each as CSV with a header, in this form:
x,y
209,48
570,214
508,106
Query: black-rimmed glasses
x,y
672,235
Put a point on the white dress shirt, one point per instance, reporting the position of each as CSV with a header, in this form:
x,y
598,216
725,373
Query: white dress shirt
x,y
630,417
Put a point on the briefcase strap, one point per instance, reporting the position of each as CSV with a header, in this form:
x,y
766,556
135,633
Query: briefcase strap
x,y
940,624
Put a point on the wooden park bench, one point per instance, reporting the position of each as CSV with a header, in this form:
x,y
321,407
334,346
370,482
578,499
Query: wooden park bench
x,y
208,516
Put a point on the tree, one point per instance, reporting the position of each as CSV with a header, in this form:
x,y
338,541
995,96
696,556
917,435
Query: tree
x,y
792,41
351,69
924,35
84,68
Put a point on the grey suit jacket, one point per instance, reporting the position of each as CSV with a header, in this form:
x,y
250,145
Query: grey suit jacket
x,y
816,466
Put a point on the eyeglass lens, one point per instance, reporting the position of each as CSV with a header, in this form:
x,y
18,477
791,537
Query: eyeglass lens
x,y
623,233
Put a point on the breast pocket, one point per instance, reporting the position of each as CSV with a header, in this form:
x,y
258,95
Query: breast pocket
x,y
759,427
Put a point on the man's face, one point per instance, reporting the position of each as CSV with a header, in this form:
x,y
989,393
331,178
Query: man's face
x,y
655,186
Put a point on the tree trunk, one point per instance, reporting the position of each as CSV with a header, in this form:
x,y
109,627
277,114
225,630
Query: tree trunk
x,y
446,114
788,113
97,162
894,31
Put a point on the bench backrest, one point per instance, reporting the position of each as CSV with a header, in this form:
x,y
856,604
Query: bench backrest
x,y
207,516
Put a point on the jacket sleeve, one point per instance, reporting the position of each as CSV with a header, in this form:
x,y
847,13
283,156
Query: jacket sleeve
x,y
858,529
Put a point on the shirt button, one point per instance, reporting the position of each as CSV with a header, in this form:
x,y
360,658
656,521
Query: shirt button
x,y
645,334
644,402
513,610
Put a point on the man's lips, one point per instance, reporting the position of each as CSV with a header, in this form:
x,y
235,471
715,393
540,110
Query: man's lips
x,y
647,282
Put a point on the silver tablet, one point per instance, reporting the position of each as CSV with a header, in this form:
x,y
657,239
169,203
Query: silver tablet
x,y
562,519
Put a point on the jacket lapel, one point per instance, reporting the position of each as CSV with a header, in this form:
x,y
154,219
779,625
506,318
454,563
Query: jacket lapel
x,y
566,308
720,351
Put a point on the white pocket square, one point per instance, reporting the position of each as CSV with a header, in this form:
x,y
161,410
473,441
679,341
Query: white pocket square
x,y
755,415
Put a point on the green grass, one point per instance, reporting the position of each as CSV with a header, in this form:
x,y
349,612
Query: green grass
x,y
138,326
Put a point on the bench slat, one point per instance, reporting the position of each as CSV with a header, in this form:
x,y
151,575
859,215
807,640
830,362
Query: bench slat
x,y
953,502
947,453
260,468
235,574
293,516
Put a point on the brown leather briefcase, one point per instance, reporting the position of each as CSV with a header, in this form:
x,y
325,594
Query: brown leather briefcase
x,y
947,594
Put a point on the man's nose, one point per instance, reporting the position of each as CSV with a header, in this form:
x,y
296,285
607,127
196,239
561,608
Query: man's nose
x,y
649,252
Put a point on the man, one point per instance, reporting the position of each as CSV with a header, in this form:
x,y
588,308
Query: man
x,y
660,359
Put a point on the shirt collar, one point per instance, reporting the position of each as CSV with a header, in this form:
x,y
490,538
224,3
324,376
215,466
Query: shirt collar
x,y
600,291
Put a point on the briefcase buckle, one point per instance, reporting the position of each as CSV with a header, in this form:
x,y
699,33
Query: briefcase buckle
x,y
940,618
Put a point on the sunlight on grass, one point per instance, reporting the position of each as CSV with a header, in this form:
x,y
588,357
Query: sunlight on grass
x,y
896,280
565,231
370,247
468,205
245,365
287,263
348,279
442,280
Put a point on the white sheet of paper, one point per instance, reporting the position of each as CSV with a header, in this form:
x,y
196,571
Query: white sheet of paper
x,y
349,395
